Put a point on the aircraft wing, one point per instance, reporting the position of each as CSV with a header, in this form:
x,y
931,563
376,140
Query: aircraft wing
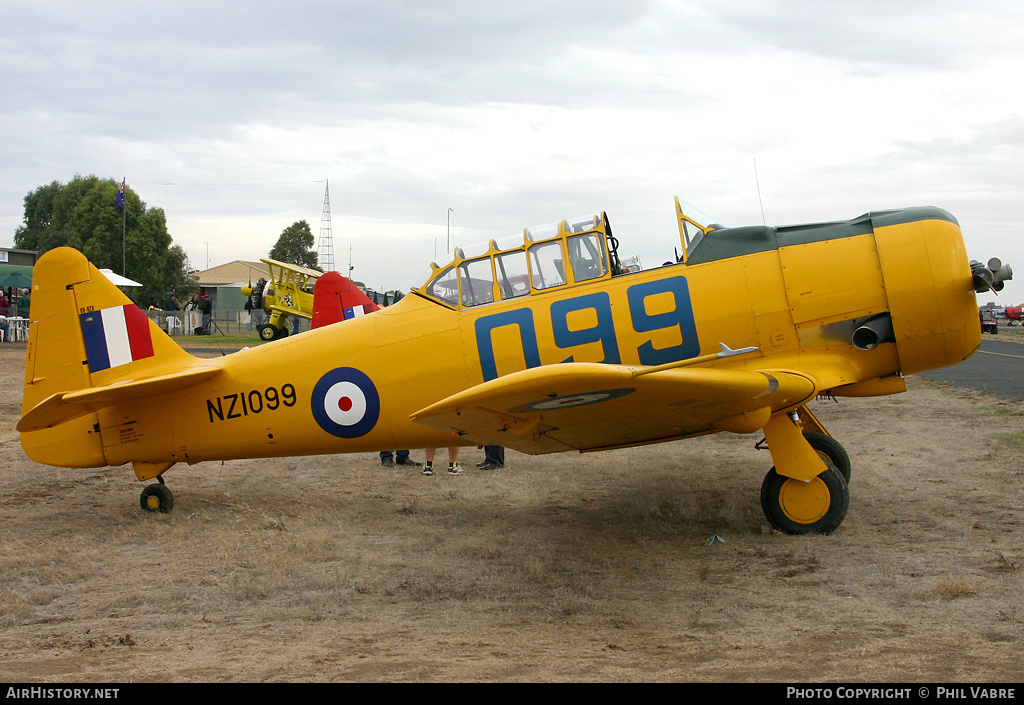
x,y
298,269
291,310
591,406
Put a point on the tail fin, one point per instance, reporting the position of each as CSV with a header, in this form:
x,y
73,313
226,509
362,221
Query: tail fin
x,y
336,298
83,333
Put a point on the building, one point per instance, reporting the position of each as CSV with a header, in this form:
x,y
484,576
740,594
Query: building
x,y
21,261
224,283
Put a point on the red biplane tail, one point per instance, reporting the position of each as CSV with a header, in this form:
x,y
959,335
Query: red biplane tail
x,y
336,298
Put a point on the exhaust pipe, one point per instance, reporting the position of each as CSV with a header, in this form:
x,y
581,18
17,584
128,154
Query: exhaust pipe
x,y
990,276
873,332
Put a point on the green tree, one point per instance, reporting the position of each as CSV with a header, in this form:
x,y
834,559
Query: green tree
x,y
295,246
82,214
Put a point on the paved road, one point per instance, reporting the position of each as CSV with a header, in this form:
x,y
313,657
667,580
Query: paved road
x,y
997,368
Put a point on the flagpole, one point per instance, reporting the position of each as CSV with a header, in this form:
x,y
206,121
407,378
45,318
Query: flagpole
x,y
124,234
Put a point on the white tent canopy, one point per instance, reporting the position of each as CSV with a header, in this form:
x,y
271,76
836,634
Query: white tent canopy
x,y
117,279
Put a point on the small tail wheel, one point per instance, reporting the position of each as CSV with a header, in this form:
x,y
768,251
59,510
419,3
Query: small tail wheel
x,y
157,498
832,451
796,507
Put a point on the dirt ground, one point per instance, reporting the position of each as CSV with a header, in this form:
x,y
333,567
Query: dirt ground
x,y
565,567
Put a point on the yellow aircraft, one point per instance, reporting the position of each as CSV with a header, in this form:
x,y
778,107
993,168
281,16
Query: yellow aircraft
x,y
288,293
541,343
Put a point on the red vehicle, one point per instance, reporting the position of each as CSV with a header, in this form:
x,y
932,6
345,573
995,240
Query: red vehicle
x,y
1014,313
989,323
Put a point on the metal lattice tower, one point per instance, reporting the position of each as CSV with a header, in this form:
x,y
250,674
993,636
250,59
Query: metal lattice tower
x,y
325,247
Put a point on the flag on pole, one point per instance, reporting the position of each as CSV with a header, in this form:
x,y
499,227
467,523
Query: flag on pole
x,y
120,196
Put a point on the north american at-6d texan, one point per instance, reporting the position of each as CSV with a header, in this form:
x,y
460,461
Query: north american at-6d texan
x,y
543,342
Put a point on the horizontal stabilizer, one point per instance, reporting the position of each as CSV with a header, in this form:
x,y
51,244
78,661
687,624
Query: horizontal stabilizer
x,y
65,406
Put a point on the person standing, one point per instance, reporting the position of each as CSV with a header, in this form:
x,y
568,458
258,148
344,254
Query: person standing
x,y
24,304
206,306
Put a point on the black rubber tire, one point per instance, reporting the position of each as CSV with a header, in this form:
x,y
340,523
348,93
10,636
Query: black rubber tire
x,y
157,498
799,508
267,332
832,450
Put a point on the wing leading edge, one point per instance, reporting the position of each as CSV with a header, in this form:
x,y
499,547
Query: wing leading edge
x,y
594,406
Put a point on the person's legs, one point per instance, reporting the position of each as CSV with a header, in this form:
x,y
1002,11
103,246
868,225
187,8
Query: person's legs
x,y
494,458
453,461
402,458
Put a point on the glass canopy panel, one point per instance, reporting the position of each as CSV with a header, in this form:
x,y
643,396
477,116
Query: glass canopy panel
x,y
445,287
513,274
548,265
476,281
587,256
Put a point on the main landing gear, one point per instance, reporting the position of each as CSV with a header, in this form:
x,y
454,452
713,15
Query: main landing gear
x,y
269,332
807,492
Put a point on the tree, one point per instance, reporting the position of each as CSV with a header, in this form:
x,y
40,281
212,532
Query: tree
x,y
82,214
295,246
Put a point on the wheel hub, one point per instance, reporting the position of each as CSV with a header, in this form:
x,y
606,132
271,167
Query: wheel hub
x,y
804,502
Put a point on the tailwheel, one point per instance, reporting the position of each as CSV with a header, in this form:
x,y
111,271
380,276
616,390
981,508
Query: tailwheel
x,y
831,451
157,498
815,507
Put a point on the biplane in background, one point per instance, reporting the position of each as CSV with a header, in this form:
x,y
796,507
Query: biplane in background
x,y
289,292
295,291
541,342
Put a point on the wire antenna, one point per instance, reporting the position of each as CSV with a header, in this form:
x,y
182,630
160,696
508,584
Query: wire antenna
x,y
758,182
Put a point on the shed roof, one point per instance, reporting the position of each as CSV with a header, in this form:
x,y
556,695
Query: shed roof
x,y
233,273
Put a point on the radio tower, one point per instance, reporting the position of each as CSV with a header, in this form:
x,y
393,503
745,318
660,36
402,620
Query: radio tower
x,y
325,248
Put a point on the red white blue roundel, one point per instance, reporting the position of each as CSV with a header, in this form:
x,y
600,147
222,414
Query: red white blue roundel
x,y
552,403
346,403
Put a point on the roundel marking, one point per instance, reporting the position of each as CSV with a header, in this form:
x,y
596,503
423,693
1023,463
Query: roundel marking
x,y
552,403
345,403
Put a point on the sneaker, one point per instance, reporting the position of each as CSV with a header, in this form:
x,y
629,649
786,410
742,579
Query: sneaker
x,y
490,466
407,461
427,470
455,469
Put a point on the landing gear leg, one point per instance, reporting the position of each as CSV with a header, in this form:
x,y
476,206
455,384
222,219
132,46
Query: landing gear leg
x,y
825,445
831,451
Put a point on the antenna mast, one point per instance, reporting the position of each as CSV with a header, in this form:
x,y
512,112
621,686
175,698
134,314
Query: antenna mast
x,y
325,248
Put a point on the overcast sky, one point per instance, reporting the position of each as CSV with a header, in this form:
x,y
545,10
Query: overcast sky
x,y
231,115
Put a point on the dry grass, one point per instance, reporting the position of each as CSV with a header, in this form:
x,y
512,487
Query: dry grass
x,y
951,588
560,568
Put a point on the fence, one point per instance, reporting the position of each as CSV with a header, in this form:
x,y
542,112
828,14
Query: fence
x,y
177,323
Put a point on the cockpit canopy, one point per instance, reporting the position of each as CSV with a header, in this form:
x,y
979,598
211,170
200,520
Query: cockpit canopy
x,y
520,265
